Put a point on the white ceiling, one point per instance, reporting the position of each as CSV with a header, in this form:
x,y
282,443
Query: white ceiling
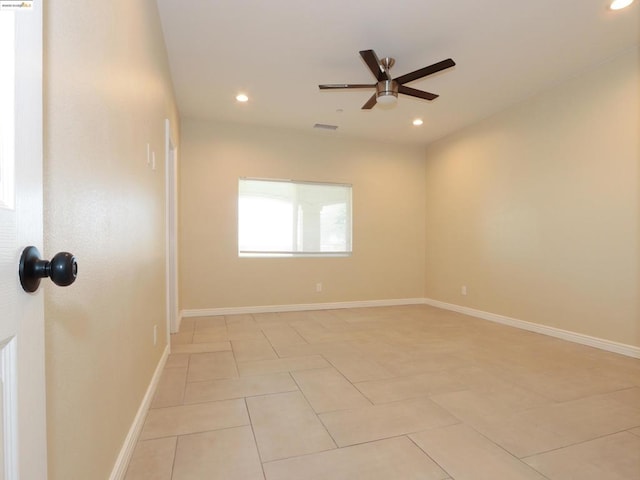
x,y
278,51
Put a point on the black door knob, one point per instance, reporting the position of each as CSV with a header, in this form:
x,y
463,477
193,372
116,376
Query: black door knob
x,y
62,269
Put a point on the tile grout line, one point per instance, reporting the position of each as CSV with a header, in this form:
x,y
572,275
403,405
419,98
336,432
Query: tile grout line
x,y
314,412
198,432
255,440
186,380
408,435
175,455
575,444
350,383
520,460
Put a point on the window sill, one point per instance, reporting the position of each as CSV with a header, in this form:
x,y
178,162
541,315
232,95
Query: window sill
x,y
293,255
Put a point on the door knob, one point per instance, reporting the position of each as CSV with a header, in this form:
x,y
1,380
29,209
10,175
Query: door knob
x,y
62,269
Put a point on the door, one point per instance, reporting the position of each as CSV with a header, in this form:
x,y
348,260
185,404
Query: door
x,y
22,381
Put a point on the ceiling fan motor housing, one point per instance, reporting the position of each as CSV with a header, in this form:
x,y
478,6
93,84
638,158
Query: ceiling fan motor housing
x,y
385,89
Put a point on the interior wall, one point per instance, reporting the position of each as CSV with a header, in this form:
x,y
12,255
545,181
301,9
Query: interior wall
x,y
388,217
107,94
536,209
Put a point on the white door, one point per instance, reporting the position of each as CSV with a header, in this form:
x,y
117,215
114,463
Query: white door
x,y
22,381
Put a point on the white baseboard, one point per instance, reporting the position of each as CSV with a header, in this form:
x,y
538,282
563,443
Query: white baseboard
x,y
210,312
602,344
122,462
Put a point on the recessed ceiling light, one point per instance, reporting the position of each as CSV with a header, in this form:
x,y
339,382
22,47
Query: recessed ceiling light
x,y
417,122
620,4
241,97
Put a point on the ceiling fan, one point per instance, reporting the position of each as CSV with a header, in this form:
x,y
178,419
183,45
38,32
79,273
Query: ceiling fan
x,y
387,88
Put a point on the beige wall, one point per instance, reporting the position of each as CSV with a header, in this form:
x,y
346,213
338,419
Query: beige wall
x,y
388,218
536,209
107,94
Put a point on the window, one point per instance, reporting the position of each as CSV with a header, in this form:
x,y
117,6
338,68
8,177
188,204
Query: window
x,y
287,218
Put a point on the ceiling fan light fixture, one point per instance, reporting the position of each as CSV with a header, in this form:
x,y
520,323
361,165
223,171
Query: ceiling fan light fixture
x,y
620,4
242,98
387,99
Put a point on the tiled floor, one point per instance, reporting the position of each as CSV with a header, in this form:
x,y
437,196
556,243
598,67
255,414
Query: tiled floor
x,y
409,392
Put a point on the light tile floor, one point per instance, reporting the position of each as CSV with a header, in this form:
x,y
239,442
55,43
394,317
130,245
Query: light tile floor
x,y
410,392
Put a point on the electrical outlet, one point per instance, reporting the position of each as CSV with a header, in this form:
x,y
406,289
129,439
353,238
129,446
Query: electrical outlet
x,y
155,335
463,290
318,287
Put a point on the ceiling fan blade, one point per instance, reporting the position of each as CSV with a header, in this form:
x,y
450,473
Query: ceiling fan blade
x,y
423,72
370,103
333,86
416,93
373,62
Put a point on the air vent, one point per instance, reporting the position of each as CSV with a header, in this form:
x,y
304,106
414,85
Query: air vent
x,y
324,126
